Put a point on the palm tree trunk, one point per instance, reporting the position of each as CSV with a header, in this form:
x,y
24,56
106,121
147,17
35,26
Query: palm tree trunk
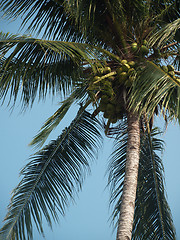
x,y
126,217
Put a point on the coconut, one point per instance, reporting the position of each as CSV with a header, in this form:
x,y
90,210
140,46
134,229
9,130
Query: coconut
x,y
124,61
144,49
134,46
107,70
131,63
164,68
122,77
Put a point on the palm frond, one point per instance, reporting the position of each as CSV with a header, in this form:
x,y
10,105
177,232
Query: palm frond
x,y
152,88
164,34
48,17
52,177
51,123
56,118
38,65
153,218
116,169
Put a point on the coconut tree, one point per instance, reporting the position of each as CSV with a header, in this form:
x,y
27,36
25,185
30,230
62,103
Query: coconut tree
x,y
118,60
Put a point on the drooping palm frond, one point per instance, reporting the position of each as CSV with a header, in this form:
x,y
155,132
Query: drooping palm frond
x,y
152,88
52,177
153,218
56,118
174,105
102,22
37,65
34,81
116,169
46,16
165,34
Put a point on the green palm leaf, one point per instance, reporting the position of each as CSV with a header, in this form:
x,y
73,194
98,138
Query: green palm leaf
x,y
56,118
48,17
37,65
153,218
52,177
153,87
164,34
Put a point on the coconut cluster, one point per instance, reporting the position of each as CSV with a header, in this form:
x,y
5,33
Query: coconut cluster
x,y
142,49
170,70
126,73
108,83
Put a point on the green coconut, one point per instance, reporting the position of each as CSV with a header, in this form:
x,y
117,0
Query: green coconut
x,y
164,68
107,70
122,77
131,63
144,49
134,46
124,61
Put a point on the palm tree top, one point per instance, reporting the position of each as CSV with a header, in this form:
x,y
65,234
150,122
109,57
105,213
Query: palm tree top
x,y
118,57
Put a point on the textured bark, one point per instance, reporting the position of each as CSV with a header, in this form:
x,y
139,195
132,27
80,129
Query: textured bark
x,y
126,217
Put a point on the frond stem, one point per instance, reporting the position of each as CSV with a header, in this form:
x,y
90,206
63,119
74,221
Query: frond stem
x,y
169,45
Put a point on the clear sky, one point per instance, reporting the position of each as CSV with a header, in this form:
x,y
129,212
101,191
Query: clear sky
x,y
88,218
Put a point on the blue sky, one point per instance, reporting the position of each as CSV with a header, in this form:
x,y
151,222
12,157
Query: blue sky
x,y
88,218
